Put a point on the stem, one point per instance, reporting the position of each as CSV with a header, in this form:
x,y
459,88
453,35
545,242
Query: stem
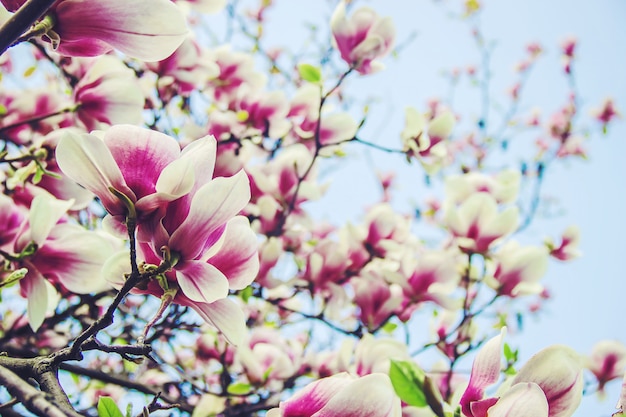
x,y
21,21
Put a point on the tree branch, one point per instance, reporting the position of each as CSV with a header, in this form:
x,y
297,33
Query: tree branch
x,y
21,21
34,400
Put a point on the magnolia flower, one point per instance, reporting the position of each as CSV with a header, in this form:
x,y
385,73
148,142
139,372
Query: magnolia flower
x,y
184,216
108,93
477,223
503,186
363,38
558,372
518,270
145,166
63,253
426,139
343,395
607,361
568,249
548,385
149,30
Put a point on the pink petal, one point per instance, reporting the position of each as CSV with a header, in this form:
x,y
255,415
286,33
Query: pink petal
x,y
74,258
141,154
33,286
45,212
238,257
212,206
521,400
485,371
369,396
201,282
149,30
88,161
315,396
558,371
226,316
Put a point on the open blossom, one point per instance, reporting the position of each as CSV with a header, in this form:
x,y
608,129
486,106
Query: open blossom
x,y
477,223
607,361
568,249
108,93
149,30
343,395
363,38
518,270
146,166
427,139
504,186
548,385
65,254
181,211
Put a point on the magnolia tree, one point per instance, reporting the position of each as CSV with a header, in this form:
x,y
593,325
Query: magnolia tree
x,y
161,247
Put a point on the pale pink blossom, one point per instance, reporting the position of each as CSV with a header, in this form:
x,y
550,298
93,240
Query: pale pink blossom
x,y
377,299
518,270
188,68
607,112
343,395
568,249
362,39
607,361
558,372
108,93
477,222
504,186
555,370
146,166
64,254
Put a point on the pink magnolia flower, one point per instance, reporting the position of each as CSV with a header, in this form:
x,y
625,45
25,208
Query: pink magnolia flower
x,y
236,69
149,30
377,299
504,186
363,38
606,112
181,210
427,139
305,115
477,223
607,361
65,254
108,93
343,395
558,372
518,270
568,249
548,385
430,276
146,166
184,70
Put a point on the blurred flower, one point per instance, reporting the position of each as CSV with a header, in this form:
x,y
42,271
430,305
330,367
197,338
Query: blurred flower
x,y
607,361
363,38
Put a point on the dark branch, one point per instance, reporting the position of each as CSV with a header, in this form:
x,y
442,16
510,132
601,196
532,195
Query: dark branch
x,y
21,21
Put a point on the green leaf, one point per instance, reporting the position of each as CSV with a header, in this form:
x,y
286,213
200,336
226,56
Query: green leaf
x,y
508,352
310,73
408,382
246,293
108,408
389,327
239,388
